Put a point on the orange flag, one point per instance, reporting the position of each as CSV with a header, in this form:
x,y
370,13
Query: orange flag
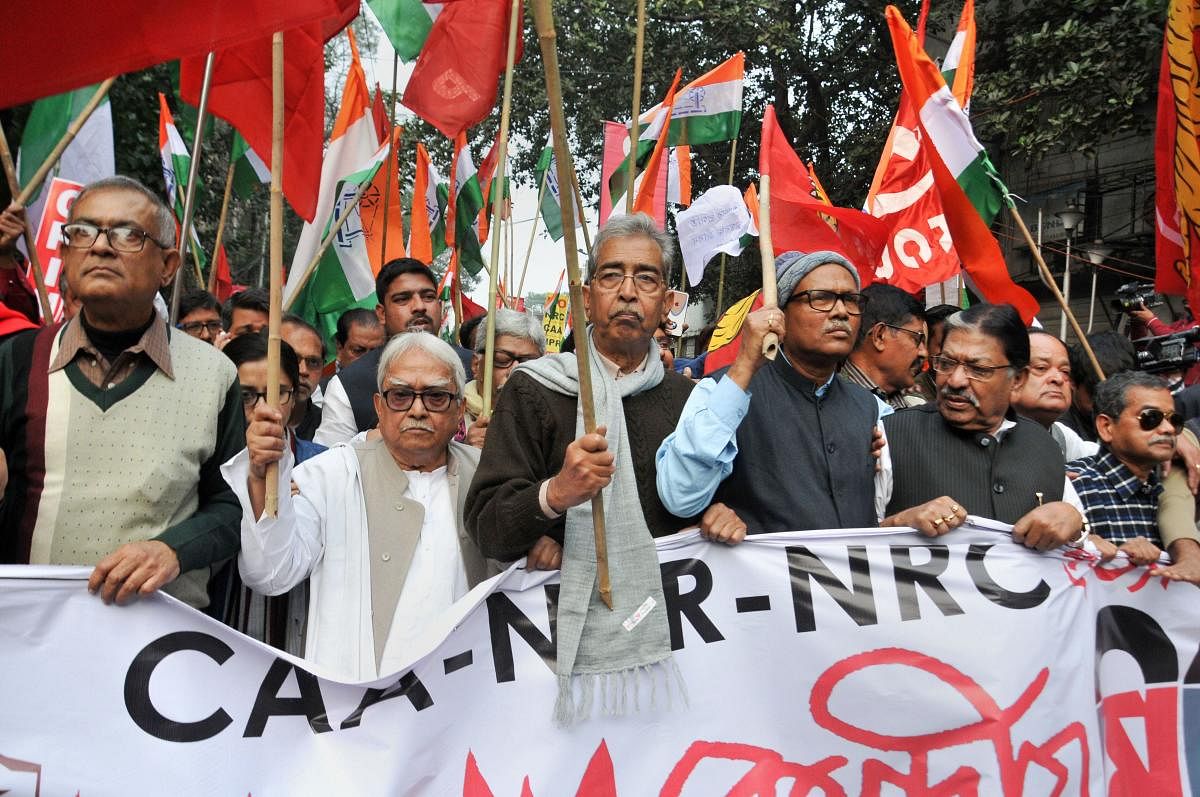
x,y
644,203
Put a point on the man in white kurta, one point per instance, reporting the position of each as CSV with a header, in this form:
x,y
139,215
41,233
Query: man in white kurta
x,y
376,525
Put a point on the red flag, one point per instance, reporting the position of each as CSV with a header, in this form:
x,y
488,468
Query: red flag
x,y
1177,159
615,135
241,95
453,85
68,45
379,116
798,218
487,170
223,284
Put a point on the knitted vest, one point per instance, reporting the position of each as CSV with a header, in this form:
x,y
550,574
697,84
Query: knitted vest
x,y
803,462
129,469
990,478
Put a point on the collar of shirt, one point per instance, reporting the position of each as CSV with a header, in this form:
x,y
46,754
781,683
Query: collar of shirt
x,y
820,390
1125,482
615,371
154,343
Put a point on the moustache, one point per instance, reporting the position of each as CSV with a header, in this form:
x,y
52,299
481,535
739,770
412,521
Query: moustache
x,y
838,326
630,309
959,392
1162,438
417,426
418,316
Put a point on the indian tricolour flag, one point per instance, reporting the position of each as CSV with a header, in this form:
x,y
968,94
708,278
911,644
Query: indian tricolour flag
x,y
971,191
407,24
351,144
958,67
551,207
706,111
468,201
249,170
89,156
343,278
427,218
176,167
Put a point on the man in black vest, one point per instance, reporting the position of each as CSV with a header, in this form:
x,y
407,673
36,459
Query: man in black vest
x,y
969,452
408,302
781,444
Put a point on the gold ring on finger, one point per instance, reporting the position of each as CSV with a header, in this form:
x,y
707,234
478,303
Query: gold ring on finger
x,y
954,508
939,521
948,518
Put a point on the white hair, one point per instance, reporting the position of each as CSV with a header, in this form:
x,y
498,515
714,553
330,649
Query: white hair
x,y
514,324
432,345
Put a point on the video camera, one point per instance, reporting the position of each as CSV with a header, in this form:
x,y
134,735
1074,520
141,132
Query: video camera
x,y
1174,352
1134,296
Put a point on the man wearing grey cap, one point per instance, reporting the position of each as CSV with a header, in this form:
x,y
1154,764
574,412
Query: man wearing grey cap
x,y
783,444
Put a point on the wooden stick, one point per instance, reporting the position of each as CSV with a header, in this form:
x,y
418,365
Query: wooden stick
x,y
770,289
537,214
326,242
1062,302
189,201
634,130
35,262
721,276
271,508
514,18
544,18
212,270
387,188
35,182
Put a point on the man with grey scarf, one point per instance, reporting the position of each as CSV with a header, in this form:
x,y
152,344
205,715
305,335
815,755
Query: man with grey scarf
x,y
538,473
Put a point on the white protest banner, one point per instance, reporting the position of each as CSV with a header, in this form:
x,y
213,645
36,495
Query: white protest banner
x,y
834,663
49,237
714,223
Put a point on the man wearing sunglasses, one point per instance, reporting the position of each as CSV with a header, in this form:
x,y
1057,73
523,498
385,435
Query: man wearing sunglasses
x,y
891,348
113,425
1120,486
781,444
376,525
969,453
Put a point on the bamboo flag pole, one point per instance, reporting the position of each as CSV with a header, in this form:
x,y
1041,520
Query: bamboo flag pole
x,y
212,269
537,214
721,276
271,508
35,182
770,291
497,193
189,201
1045,272
35,262
634,131
544,19
392,156
326,242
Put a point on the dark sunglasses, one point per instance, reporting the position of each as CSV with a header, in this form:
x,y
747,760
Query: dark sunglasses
x,y
1150,419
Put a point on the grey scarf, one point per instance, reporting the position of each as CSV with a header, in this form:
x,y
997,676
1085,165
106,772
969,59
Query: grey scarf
x,y
610,652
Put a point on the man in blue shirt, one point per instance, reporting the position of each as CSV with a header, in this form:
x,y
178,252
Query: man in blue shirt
x,y
781,444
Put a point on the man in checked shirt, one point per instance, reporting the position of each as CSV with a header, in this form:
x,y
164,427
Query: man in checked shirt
x,y
1120,486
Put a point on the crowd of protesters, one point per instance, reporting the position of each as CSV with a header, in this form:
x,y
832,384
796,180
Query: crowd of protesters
x,y
143,449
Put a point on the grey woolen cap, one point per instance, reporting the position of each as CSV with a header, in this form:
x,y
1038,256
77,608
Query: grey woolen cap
x,y
791,267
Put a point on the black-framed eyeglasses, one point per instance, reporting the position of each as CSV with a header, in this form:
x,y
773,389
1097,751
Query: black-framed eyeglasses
x,y
978,373
918,337
644,281
506,359
250,396
81,235
824,301
1150,419
400,399
195,328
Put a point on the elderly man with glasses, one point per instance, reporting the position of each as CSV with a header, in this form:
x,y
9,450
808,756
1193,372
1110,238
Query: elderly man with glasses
x,y
113,425
375,525
969,452
519,339
782,444
1120,486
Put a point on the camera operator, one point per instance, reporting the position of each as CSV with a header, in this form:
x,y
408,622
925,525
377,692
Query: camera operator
x,y
1148,324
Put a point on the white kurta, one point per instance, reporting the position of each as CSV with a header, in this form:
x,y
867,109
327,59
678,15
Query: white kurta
x,y
321,534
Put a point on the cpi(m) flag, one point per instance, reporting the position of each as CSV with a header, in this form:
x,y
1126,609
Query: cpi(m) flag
x,y
971,191
453,85
351,144
241,94
59,45
1177,156
802,221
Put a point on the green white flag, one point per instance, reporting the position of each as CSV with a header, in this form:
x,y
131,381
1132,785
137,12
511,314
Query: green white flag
x,y
407,24
89,156
468,201
551,206
249,170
